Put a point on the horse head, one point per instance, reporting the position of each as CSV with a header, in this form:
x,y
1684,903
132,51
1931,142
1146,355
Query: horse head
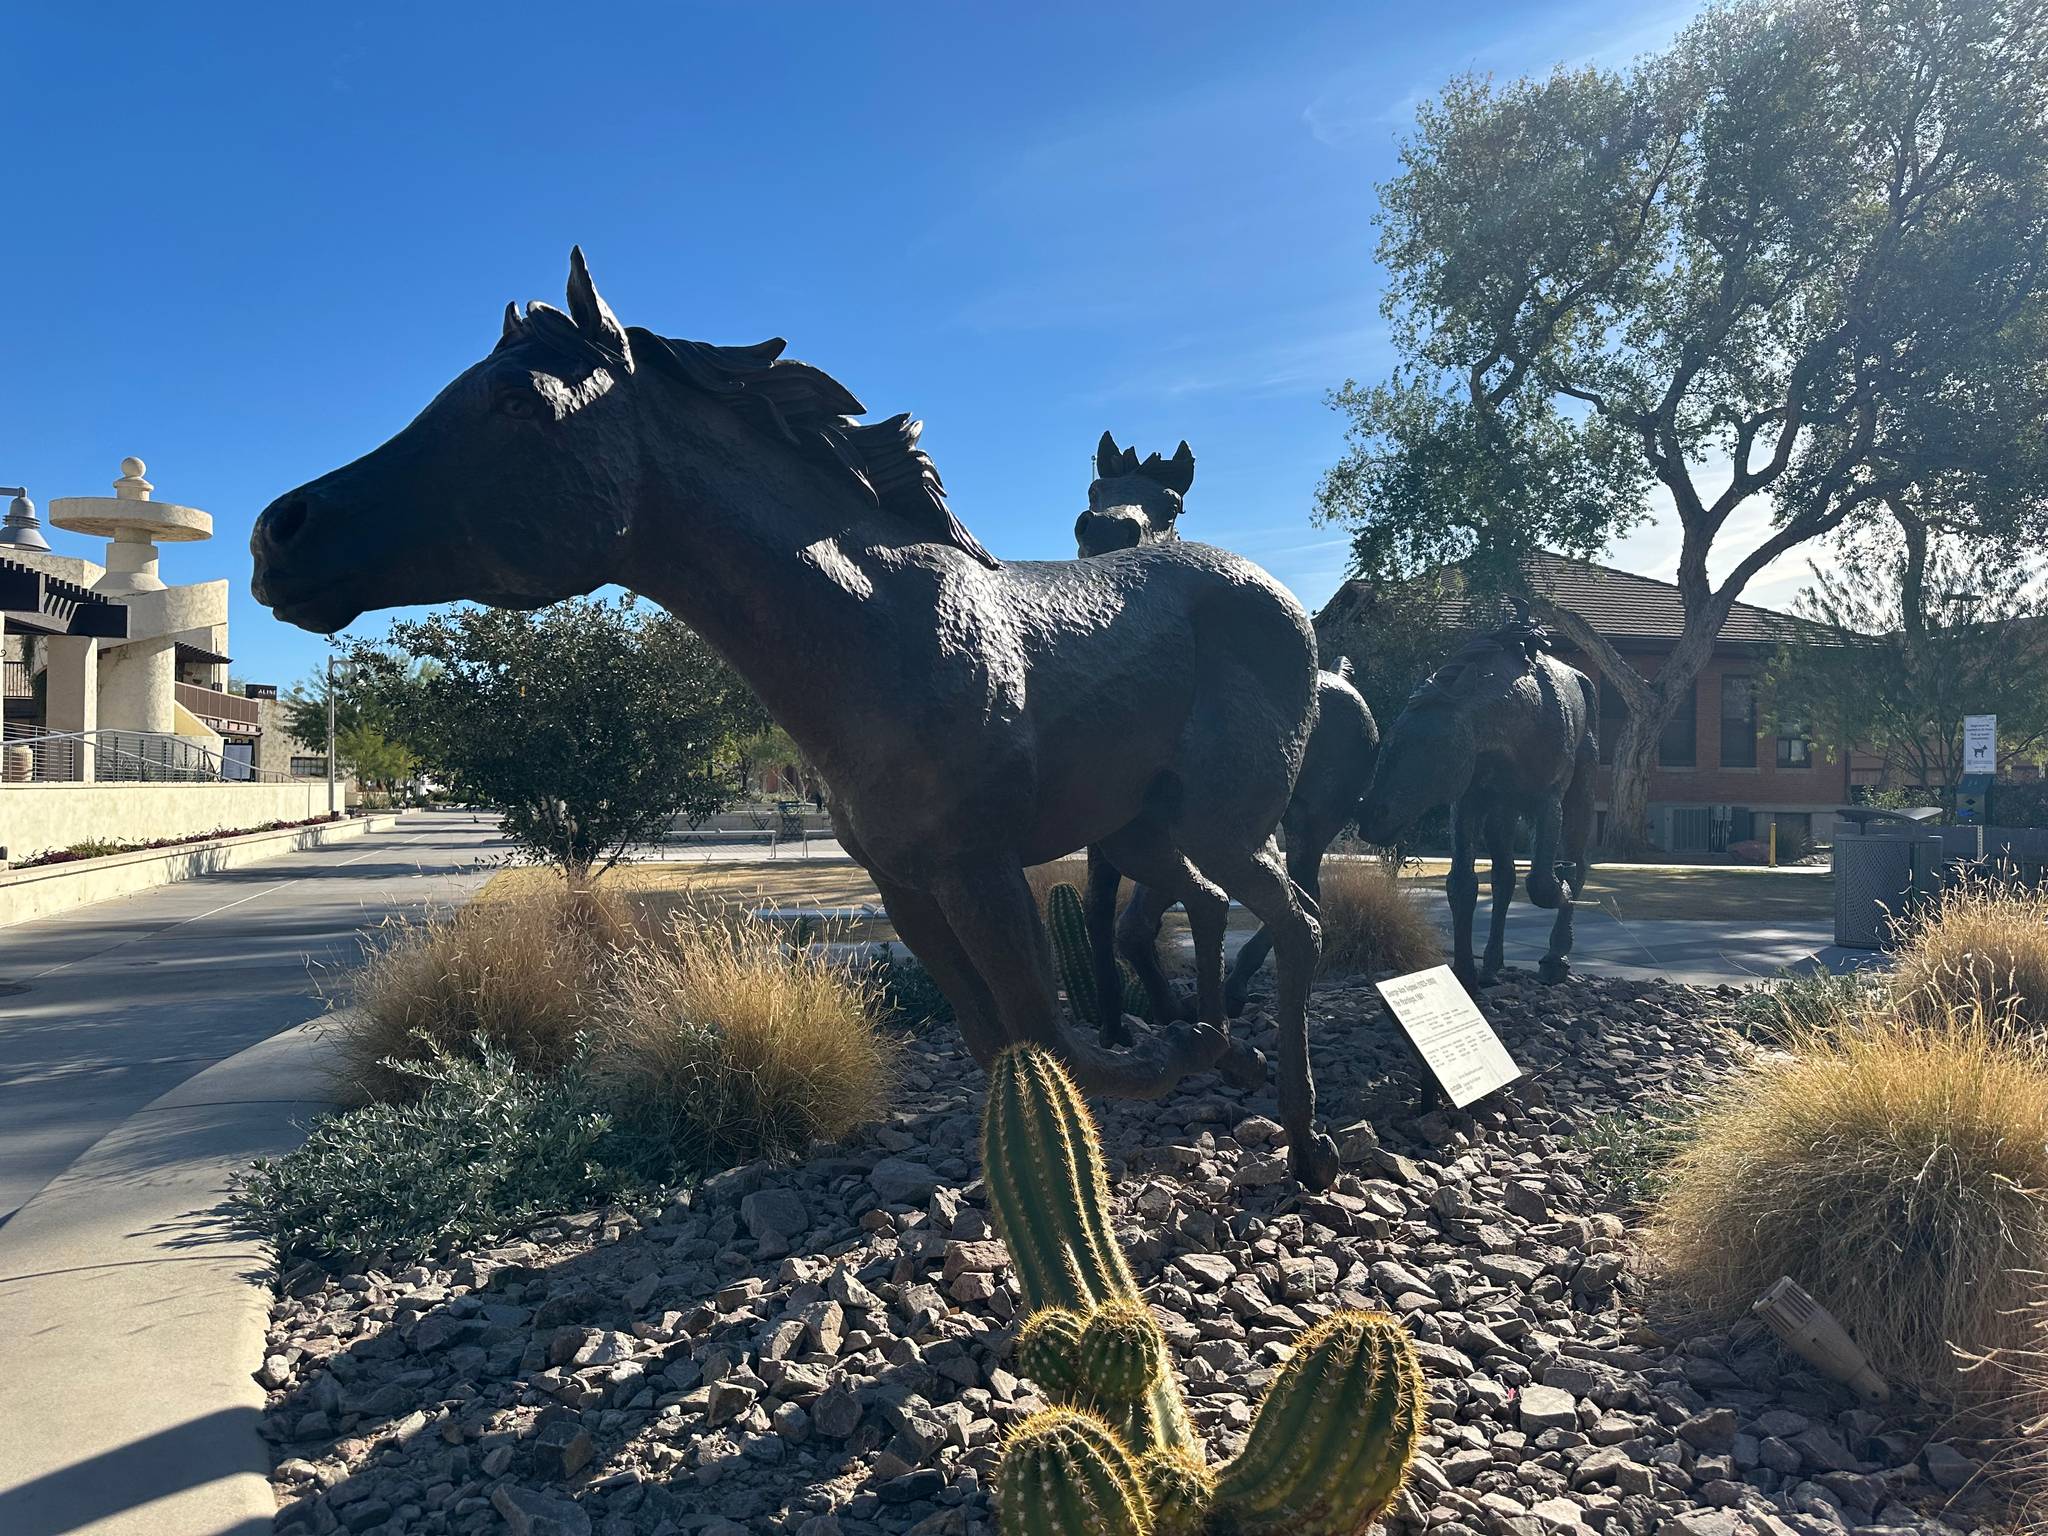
x,y
1132,503
514,487
1430,752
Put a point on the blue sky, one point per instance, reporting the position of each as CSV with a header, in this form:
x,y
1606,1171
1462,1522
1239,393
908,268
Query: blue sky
x,y
249,242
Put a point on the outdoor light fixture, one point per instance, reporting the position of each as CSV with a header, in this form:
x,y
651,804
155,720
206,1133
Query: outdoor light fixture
x,y
21,529
1810,1331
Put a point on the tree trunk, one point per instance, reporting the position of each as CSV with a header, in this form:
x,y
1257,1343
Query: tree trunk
x,y
1628,798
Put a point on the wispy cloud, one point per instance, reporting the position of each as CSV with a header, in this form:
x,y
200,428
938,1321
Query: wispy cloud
x,y
1317,357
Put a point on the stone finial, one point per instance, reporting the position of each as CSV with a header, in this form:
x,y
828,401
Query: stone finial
x,y
131,486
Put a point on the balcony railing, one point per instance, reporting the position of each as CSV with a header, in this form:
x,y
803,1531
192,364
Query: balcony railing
x,y
131,757
218,708
15,682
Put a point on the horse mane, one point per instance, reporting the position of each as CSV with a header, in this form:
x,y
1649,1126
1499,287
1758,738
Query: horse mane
x,y
803,406
812,411
1520,636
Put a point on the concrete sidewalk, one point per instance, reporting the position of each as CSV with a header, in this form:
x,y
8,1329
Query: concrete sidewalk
x,y
149,1048
132,1315
106,1008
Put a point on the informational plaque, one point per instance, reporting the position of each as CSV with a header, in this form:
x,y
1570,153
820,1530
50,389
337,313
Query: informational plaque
x,y
1451,1033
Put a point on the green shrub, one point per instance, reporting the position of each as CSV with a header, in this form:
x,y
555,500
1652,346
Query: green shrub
x,y
1794,1003
1623,1156
910,999
481,1147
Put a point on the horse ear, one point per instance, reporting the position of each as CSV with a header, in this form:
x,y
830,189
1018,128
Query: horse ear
x,y
594,317
1108,458
513,325
1178,473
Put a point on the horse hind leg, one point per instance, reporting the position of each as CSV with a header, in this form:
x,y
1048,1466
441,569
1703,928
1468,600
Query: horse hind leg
x,y
1258,880
1461,891
1099,911
1145,850
1500,837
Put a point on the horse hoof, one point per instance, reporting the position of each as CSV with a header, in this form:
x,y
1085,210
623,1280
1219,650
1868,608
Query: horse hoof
x,y
1554,971
1316,1165
1234,1004
1243,1066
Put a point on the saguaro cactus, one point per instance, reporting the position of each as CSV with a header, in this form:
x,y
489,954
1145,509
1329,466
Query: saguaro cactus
x,y
1331,1443
1068,925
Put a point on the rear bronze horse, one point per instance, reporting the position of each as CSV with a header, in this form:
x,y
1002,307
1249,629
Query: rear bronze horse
x,y
973,717
1131,504
1506,736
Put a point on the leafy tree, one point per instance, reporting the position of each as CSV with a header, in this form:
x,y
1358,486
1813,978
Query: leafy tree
x,y
1925,632
1787,275
373,757
590,724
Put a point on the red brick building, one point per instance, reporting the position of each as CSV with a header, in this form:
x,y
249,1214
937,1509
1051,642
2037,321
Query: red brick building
x,y
1720,779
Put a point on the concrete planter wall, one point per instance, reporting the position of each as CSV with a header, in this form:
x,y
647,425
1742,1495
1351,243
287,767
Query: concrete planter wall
x,y
36,818
52,888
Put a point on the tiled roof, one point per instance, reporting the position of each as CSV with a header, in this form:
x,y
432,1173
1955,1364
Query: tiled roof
x,y
1624,606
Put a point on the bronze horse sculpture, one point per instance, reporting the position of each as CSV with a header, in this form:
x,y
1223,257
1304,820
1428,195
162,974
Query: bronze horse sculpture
x,y
972,716
1504,734
1132,504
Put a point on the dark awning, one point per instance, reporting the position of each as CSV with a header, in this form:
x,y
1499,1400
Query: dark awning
x,y
49,605
190,652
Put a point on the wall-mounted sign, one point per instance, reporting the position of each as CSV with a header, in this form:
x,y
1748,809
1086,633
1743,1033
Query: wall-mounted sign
x,y
1450,1032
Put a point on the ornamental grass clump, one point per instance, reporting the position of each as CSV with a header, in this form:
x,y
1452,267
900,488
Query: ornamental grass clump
x,y
1369,924
1896,1166
744,1047
525,973
1983,941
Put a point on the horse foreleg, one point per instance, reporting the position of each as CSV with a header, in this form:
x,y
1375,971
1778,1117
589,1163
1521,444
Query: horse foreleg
x,y
1099,909
1576,824
1461,887
921,924
989,908
1304,868
1500,839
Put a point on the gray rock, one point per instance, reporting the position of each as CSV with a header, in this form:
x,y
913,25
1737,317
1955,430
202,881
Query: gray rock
x,y
1544,1408
899,1181
1949,1467
528,1513
774,1217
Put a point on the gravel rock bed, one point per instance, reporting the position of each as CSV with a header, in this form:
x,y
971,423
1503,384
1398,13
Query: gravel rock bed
x,y
825,1349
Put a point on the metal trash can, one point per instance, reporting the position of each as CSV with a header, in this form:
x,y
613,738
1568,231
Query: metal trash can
x,y
1884,860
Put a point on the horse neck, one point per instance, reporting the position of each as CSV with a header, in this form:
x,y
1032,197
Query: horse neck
x,y
775,573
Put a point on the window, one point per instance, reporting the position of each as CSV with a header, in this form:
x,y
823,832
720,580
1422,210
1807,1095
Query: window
x,y
309,767
1613,711
1738,722
1795,752
1678,747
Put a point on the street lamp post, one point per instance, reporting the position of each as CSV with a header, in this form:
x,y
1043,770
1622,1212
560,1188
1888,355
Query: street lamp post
x,y
332,808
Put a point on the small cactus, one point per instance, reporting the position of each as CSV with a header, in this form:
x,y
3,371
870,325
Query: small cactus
x,y
1122,1352
1049,1351
1181,1489
1066,920
1331,1443
1066,1473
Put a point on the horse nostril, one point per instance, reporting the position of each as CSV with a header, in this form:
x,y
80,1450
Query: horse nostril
x,y
285,521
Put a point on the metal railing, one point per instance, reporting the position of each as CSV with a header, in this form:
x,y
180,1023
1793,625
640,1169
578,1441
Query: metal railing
x,y
15,681
122,757
214,704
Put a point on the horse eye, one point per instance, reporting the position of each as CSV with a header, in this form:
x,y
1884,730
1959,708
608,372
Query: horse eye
x,y
517,405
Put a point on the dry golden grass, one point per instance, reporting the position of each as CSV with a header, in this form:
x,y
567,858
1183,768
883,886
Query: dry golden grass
x,y
753,1049
1982,942
1897,1168
2016,1380
525,973
694,1013
1370,924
